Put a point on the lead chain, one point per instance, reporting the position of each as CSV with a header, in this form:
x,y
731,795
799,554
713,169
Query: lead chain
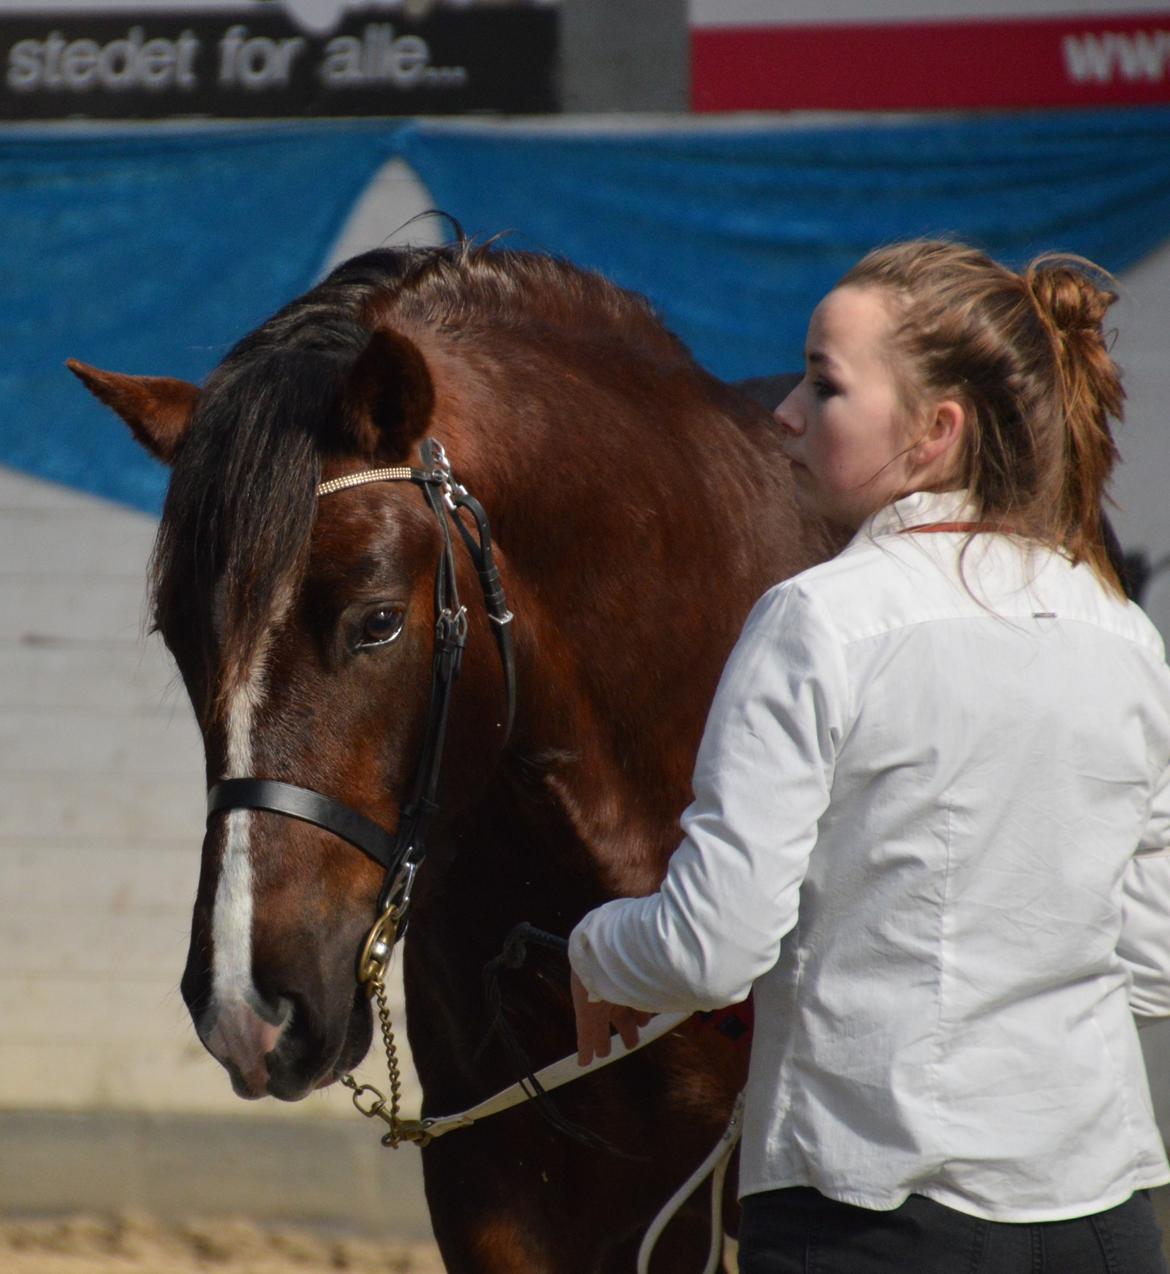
x,y
376,1100
372,965
394,1137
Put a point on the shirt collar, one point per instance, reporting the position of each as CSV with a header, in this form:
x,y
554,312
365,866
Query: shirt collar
x,y
920,508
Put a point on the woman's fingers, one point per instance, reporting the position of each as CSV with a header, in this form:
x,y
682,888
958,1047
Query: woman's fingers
x,y
595,1018
592,1023
626,1021
593,1033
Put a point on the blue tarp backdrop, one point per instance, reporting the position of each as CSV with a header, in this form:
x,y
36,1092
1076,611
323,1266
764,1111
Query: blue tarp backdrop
x,y
153,251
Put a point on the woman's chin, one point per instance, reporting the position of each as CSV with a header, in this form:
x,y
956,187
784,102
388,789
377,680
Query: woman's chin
x,y
804,491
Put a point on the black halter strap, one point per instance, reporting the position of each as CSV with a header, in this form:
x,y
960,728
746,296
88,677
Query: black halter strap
x,y
401,853
309,807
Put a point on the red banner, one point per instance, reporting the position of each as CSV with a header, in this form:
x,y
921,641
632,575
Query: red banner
x,y
1067,61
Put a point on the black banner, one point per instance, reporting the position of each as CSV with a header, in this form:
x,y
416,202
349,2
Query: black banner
x,y
153,64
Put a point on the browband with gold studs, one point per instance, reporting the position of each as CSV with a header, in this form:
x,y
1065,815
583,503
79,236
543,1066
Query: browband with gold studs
x,y
398,473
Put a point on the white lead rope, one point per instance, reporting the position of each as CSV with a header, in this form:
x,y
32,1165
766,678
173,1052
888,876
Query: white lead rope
x,y
715,1167
550,1077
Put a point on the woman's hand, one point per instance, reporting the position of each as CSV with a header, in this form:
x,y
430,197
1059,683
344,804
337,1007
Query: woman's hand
x,y
594,1019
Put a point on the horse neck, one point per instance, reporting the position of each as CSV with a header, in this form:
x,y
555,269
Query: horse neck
x,y
631,556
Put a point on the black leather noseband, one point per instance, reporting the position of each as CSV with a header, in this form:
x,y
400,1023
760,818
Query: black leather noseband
x,y
401,853
310,807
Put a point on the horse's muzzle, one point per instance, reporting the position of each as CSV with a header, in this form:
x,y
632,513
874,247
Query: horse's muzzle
x,y
244,1043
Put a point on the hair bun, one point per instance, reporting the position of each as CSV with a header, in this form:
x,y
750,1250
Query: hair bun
x,y
1068,295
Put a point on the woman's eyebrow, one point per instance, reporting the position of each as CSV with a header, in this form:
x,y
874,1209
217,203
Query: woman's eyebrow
x,y
818,358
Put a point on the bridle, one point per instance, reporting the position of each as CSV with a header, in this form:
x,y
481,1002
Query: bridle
x,y
401,854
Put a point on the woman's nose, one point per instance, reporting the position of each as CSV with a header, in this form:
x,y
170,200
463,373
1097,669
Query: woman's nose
x,y
788,417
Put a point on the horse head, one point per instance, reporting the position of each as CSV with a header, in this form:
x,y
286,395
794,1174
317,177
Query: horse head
x,y
302,627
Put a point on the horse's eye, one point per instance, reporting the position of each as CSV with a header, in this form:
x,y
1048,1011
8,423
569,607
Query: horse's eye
x,y
380,627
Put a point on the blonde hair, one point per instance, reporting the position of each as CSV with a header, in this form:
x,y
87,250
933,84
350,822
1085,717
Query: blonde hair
x,y
1026,356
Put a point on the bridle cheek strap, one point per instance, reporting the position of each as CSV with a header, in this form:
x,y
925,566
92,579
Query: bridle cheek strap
x,y
479,548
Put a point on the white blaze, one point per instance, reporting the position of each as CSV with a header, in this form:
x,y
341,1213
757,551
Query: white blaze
x,y
231,917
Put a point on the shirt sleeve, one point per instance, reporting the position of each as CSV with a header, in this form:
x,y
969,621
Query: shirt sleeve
x,y
762,780
1145,932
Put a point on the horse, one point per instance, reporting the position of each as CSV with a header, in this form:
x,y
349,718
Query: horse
x,y
638,507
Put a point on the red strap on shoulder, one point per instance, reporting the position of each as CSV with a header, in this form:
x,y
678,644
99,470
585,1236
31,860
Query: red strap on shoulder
x,y
997,527
735,1022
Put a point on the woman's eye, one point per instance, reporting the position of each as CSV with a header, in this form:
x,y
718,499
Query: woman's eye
x,y
380,627
823,389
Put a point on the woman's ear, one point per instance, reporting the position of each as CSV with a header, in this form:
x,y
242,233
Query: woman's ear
x,y
938,446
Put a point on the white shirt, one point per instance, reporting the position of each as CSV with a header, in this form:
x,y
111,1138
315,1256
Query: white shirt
x,y
933,833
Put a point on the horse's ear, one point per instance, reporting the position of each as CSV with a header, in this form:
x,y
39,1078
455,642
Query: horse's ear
x,y
158,409
389,397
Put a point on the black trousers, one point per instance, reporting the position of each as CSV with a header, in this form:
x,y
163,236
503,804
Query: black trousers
x,y
799,1231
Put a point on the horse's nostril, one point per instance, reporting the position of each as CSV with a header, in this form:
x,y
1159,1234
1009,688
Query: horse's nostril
x,y
276,1013
301,1026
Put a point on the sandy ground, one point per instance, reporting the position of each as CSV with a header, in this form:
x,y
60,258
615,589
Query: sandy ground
x,y
140,1245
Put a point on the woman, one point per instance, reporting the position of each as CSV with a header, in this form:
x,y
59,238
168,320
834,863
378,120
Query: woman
x,y
931,824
